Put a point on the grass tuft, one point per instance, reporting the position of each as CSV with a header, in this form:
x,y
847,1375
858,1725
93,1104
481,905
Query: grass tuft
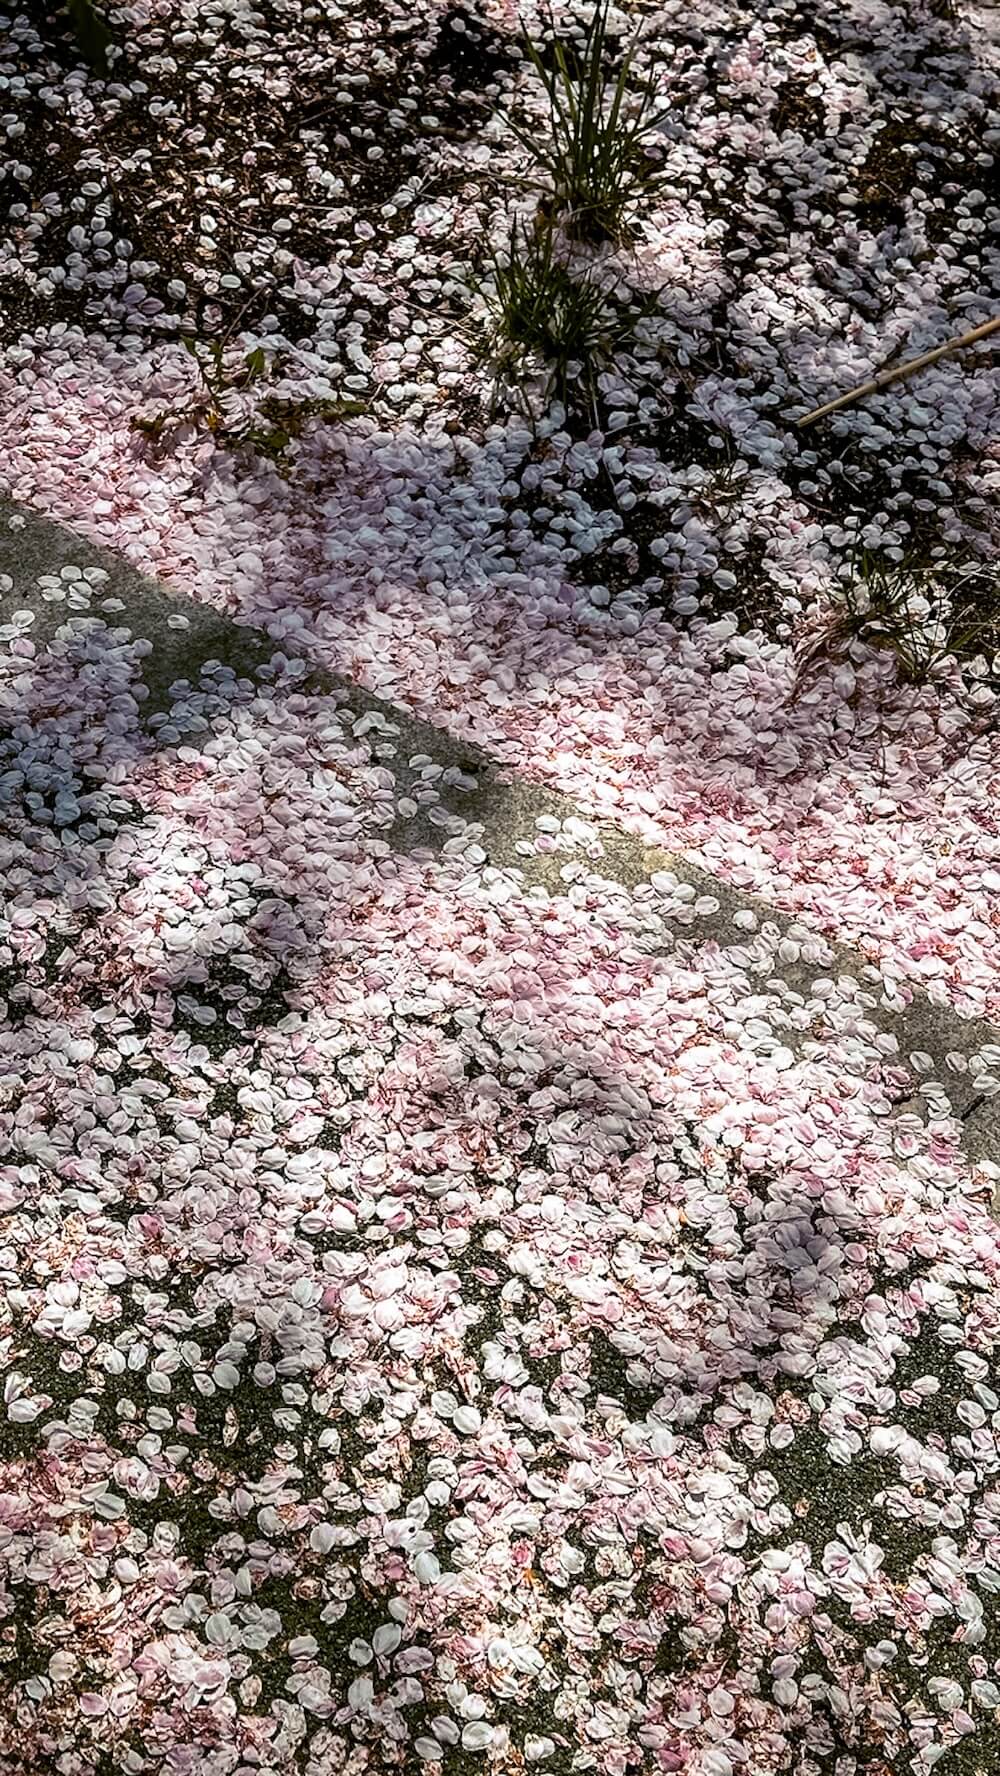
x,y
547,316
594,158
923,613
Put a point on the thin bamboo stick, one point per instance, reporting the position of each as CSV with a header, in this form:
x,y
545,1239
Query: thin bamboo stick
x,y
886,376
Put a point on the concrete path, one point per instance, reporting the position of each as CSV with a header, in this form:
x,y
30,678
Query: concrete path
x,y
480,791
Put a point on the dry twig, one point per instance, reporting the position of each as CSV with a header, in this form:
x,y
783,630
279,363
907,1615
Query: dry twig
x,y
885,377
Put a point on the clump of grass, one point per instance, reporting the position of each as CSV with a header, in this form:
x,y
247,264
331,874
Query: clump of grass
x,y
594,158
727,481
922,612
546,316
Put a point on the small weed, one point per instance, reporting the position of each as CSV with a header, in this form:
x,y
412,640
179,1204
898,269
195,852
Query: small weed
x,y
220,408
209,355
216,406
924,613
287,419
594,159
547,316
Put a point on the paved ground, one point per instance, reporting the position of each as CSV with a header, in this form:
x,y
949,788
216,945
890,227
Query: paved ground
x,y
506,809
